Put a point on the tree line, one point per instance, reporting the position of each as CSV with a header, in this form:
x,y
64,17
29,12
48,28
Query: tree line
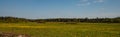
x,y
87,20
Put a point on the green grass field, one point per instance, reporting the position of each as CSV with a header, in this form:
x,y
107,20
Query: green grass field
x,y
63,30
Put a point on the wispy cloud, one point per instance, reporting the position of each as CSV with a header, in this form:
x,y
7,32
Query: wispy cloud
x,y
89,2
84,4
102,8
84,0
98,1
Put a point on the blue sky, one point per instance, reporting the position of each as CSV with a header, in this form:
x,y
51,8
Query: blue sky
x,y
34,9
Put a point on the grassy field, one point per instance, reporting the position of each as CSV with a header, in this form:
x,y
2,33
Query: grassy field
x,y
63,30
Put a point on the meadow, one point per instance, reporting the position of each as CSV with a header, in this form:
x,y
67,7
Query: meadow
x,y
60,29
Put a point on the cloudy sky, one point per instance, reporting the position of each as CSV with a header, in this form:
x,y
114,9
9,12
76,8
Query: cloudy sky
x,y
60,8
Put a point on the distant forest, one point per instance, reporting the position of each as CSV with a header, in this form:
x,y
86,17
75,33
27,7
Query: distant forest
x,y
86,20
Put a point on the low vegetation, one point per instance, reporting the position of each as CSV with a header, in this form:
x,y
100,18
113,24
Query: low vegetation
x,y
60,27
52,29
85,20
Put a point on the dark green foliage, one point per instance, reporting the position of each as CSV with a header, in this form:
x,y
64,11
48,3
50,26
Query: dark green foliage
x,y
93,20
12,20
